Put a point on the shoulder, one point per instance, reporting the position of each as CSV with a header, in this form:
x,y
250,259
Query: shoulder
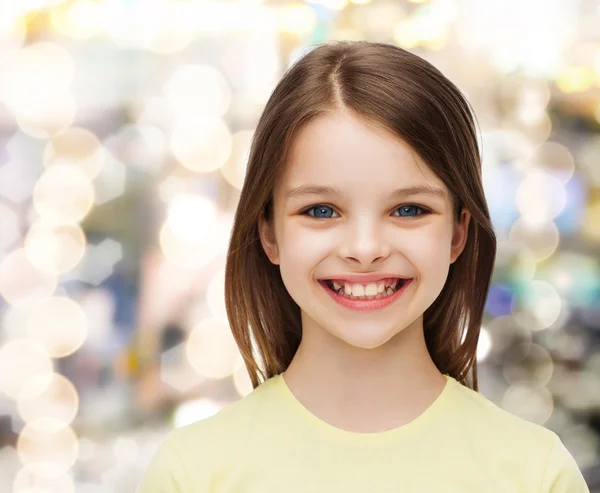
x,y
189,457
218,437
513,440
487,418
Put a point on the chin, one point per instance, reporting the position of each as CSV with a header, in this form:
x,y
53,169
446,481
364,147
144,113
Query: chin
x,y
365,337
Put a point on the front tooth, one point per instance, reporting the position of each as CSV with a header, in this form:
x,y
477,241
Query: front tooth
x,y
348,289
381,287
371,289
358,290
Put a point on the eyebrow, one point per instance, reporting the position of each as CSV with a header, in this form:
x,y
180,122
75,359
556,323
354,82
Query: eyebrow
x,y
395,194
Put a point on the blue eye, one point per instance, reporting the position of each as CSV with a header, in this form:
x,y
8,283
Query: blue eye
x,y
410,207
322,211
318,211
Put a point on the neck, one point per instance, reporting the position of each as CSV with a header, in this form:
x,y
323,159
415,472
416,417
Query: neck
x,y
365,390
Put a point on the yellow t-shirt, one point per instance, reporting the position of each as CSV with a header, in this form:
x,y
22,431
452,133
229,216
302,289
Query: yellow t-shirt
x,y
268,442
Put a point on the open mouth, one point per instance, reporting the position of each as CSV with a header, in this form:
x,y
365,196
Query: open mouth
x,y
384,288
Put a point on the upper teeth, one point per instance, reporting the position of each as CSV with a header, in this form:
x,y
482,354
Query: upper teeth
x,y
370,289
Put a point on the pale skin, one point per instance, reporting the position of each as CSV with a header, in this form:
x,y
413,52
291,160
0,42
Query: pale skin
x,y
361,371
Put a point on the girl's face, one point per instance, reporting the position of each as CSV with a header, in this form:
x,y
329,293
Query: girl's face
x,y
364,224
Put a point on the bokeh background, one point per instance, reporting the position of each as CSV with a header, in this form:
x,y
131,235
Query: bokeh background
x,y
125,127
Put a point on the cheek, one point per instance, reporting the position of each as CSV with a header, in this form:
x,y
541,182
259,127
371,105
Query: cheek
x,y
428,251
305,246
300,253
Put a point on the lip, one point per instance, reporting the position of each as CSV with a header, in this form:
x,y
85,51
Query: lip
x,y
365,305
364,278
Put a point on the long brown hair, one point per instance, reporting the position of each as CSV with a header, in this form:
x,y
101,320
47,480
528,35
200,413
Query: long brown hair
x,y
392,87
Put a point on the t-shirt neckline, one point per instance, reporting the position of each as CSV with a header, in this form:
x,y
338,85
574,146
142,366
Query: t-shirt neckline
x,y
418,423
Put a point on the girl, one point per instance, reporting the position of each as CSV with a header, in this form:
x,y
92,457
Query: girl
x,y
357,273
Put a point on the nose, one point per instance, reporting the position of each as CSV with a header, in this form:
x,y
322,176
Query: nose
x,y
365,243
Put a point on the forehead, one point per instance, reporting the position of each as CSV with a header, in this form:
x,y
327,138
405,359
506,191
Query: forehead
x,y
343,151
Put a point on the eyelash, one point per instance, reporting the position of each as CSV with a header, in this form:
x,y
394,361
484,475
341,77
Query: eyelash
x,y
424,211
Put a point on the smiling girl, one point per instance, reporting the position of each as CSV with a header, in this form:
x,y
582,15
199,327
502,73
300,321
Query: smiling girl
x,y
356,278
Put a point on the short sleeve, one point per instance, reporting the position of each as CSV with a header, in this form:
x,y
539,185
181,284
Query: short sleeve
x,y
165,472
562,473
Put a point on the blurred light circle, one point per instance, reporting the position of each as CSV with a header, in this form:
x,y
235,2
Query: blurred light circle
x,y
44,477
198,90
542,301
215,295
21,284
540,197
536,131
44,62
541,238
48,395
184,253
505,331
535,404
556,159
60,325
192,217
211,348
234,170
78,147
201,144
48,441
166,28
63,194
529,98
528,363
55,248
20,359
81,19
518,258
574,275
568,347
47,118
575,78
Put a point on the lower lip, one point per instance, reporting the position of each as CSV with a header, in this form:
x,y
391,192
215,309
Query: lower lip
x,y
366,305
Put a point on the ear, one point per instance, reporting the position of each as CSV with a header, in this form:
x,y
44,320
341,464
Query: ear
x,y
267,239
459,238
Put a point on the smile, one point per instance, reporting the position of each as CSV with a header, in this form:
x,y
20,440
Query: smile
x,y
367,303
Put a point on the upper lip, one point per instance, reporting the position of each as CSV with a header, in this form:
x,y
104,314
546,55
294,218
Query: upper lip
x,y
364,278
